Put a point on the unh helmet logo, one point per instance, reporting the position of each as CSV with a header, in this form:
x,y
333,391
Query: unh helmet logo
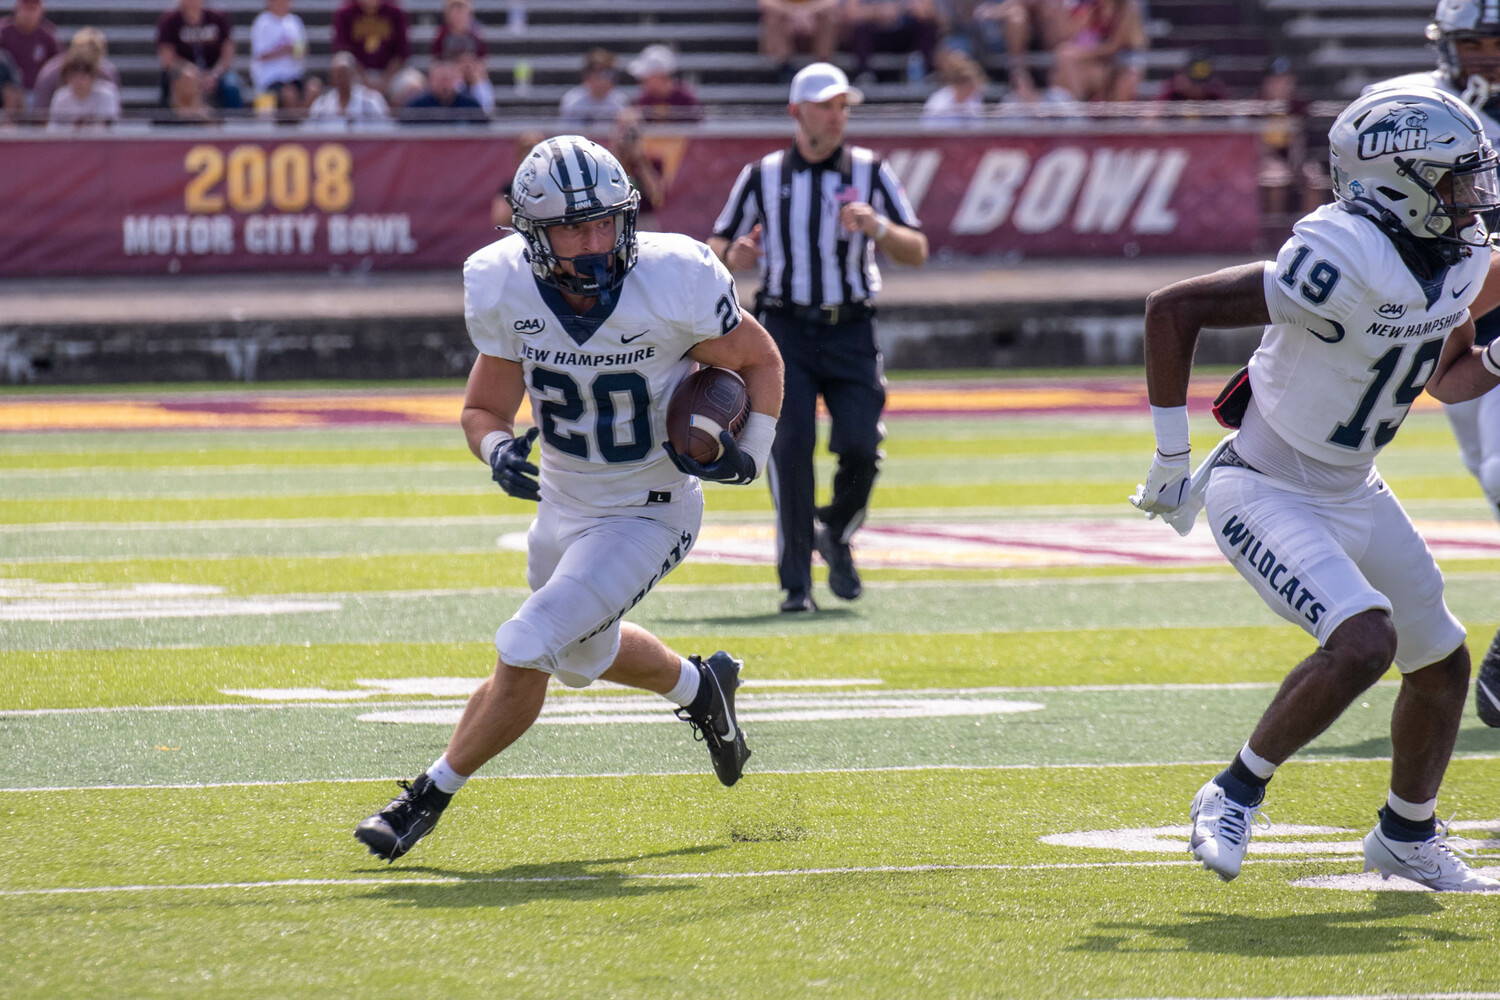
x,y
1400,131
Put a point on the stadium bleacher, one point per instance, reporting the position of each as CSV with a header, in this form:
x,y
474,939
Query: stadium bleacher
x,y
1336,47
1340,46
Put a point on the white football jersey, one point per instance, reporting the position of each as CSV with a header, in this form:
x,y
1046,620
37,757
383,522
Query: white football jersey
x,y
599,383
1437,80
1354,336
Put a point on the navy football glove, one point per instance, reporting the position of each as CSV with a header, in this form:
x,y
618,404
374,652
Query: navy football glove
x,y
510,467
734,466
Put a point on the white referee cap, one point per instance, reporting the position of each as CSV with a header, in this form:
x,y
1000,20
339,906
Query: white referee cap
x,y
821,81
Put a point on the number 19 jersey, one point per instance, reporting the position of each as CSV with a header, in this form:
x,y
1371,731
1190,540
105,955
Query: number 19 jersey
x,y
599,383
1354,336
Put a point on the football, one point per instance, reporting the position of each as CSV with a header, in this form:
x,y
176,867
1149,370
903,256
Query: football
x,y
708,401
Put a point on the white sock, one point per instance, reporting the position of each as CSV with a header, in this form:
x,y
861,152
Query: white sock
x,y
687,684
444,777
1417,812
1258,765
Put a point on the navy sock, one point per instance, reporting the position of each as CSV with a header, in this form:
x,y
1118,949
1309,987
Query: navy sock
x,y
1396,827
1241,784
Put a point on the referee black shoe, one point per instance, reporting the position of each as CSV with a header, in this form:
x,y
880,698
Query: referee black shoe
x,y
1487,686
411,816
712,715
843,578
797,602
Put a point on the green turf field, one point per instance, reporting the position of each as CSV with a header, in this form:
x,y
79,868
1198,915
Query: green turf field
x,y
218,649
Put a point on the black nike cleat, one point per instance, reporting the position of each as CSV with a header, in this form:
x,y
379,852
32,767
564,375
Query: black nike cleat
x,y
1487,686
717,725
411,816
843,578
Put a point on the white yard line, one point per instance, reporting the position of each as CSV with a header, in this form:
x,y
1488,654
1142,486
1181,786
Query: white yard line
x,y
550,776
632,876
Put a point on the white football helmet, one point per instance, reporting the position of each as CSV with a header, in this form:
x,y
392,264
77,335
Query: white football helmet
x,y
1477,75
1417,160
570,179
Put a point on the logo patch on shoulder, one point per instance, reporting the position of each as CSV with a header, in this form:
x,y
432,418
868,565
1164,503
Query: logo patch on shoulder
x,y
1392,310
533,325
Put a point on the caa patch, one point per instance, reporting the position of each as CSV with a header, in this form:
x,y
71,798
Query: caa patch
x,y
533,325
1401,131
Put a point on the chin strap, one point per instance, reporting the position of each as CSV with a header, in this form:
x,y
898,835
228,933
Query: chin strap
x,y
1477,91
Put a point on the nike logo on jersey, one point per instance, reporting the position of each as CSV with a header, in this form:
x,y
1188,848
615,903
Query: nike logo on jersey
x,y
1459,291
1338,333
627,340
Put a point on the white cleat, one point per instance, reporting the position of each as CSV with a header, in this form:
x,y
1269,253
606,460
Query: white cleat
x,y
1221,830
1434,863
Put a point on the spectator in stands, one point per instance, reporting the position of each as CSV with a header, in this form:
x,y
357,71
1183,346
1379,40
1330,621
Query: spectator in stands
x,y
375,31
406,86
960,101
662,97
644,169
460,40
278,55
789,25
1103,54
475,81
459,34
1019,28
12,97
190,34
87,42
594,103
909,27
347,100
442,103
188,104
84,100
1195,81
31,40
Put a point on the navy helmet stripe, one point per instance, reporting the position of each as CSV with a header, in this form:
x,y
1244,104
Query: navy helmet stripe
x,y
585,170
564,180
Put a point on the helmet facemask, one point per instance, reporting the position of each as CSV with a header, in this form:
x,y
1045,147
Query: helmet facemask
x,y
1466,215
569,180
594,274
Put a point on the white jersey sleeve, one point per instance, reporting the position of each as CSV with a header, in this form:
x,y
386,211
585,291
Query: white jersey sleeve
x,y
710,306
487,273
1353,338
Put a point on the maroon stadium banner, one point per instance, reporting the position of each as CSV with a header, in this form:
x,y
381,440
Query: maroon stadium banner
x,y
338,202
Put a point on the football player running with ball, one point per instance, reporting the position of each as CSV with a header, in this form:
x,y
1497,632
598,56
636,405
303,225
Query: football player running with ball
x,y
1367,304
598,325
1467,36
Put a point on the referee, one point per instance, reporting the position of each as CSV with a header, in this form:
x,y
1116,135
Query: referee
x,y
811,217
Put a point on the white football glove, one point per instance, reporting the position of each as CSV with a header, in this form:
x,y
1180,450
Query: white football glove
x,y
1166,487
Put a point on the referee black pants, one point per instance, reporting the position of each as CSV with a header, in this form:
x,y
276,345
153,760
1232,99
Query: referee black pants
x,y
842,364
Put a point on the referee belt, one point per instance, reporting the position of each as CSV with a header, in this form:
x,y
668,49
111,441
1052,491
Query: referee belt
x,y
845,312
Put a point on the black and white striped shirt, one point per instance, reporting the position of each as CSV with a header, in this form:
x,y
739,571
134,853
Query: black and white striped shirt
x,y
809,258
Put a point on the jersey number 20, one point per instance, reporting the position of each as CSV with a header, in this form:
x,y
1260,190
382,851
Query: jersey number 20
x,y
608,390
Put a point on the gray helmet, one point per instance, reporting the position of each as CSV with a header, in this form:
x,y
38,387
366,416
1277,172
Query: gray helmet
x,y
569,179
1460,20
1391,150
